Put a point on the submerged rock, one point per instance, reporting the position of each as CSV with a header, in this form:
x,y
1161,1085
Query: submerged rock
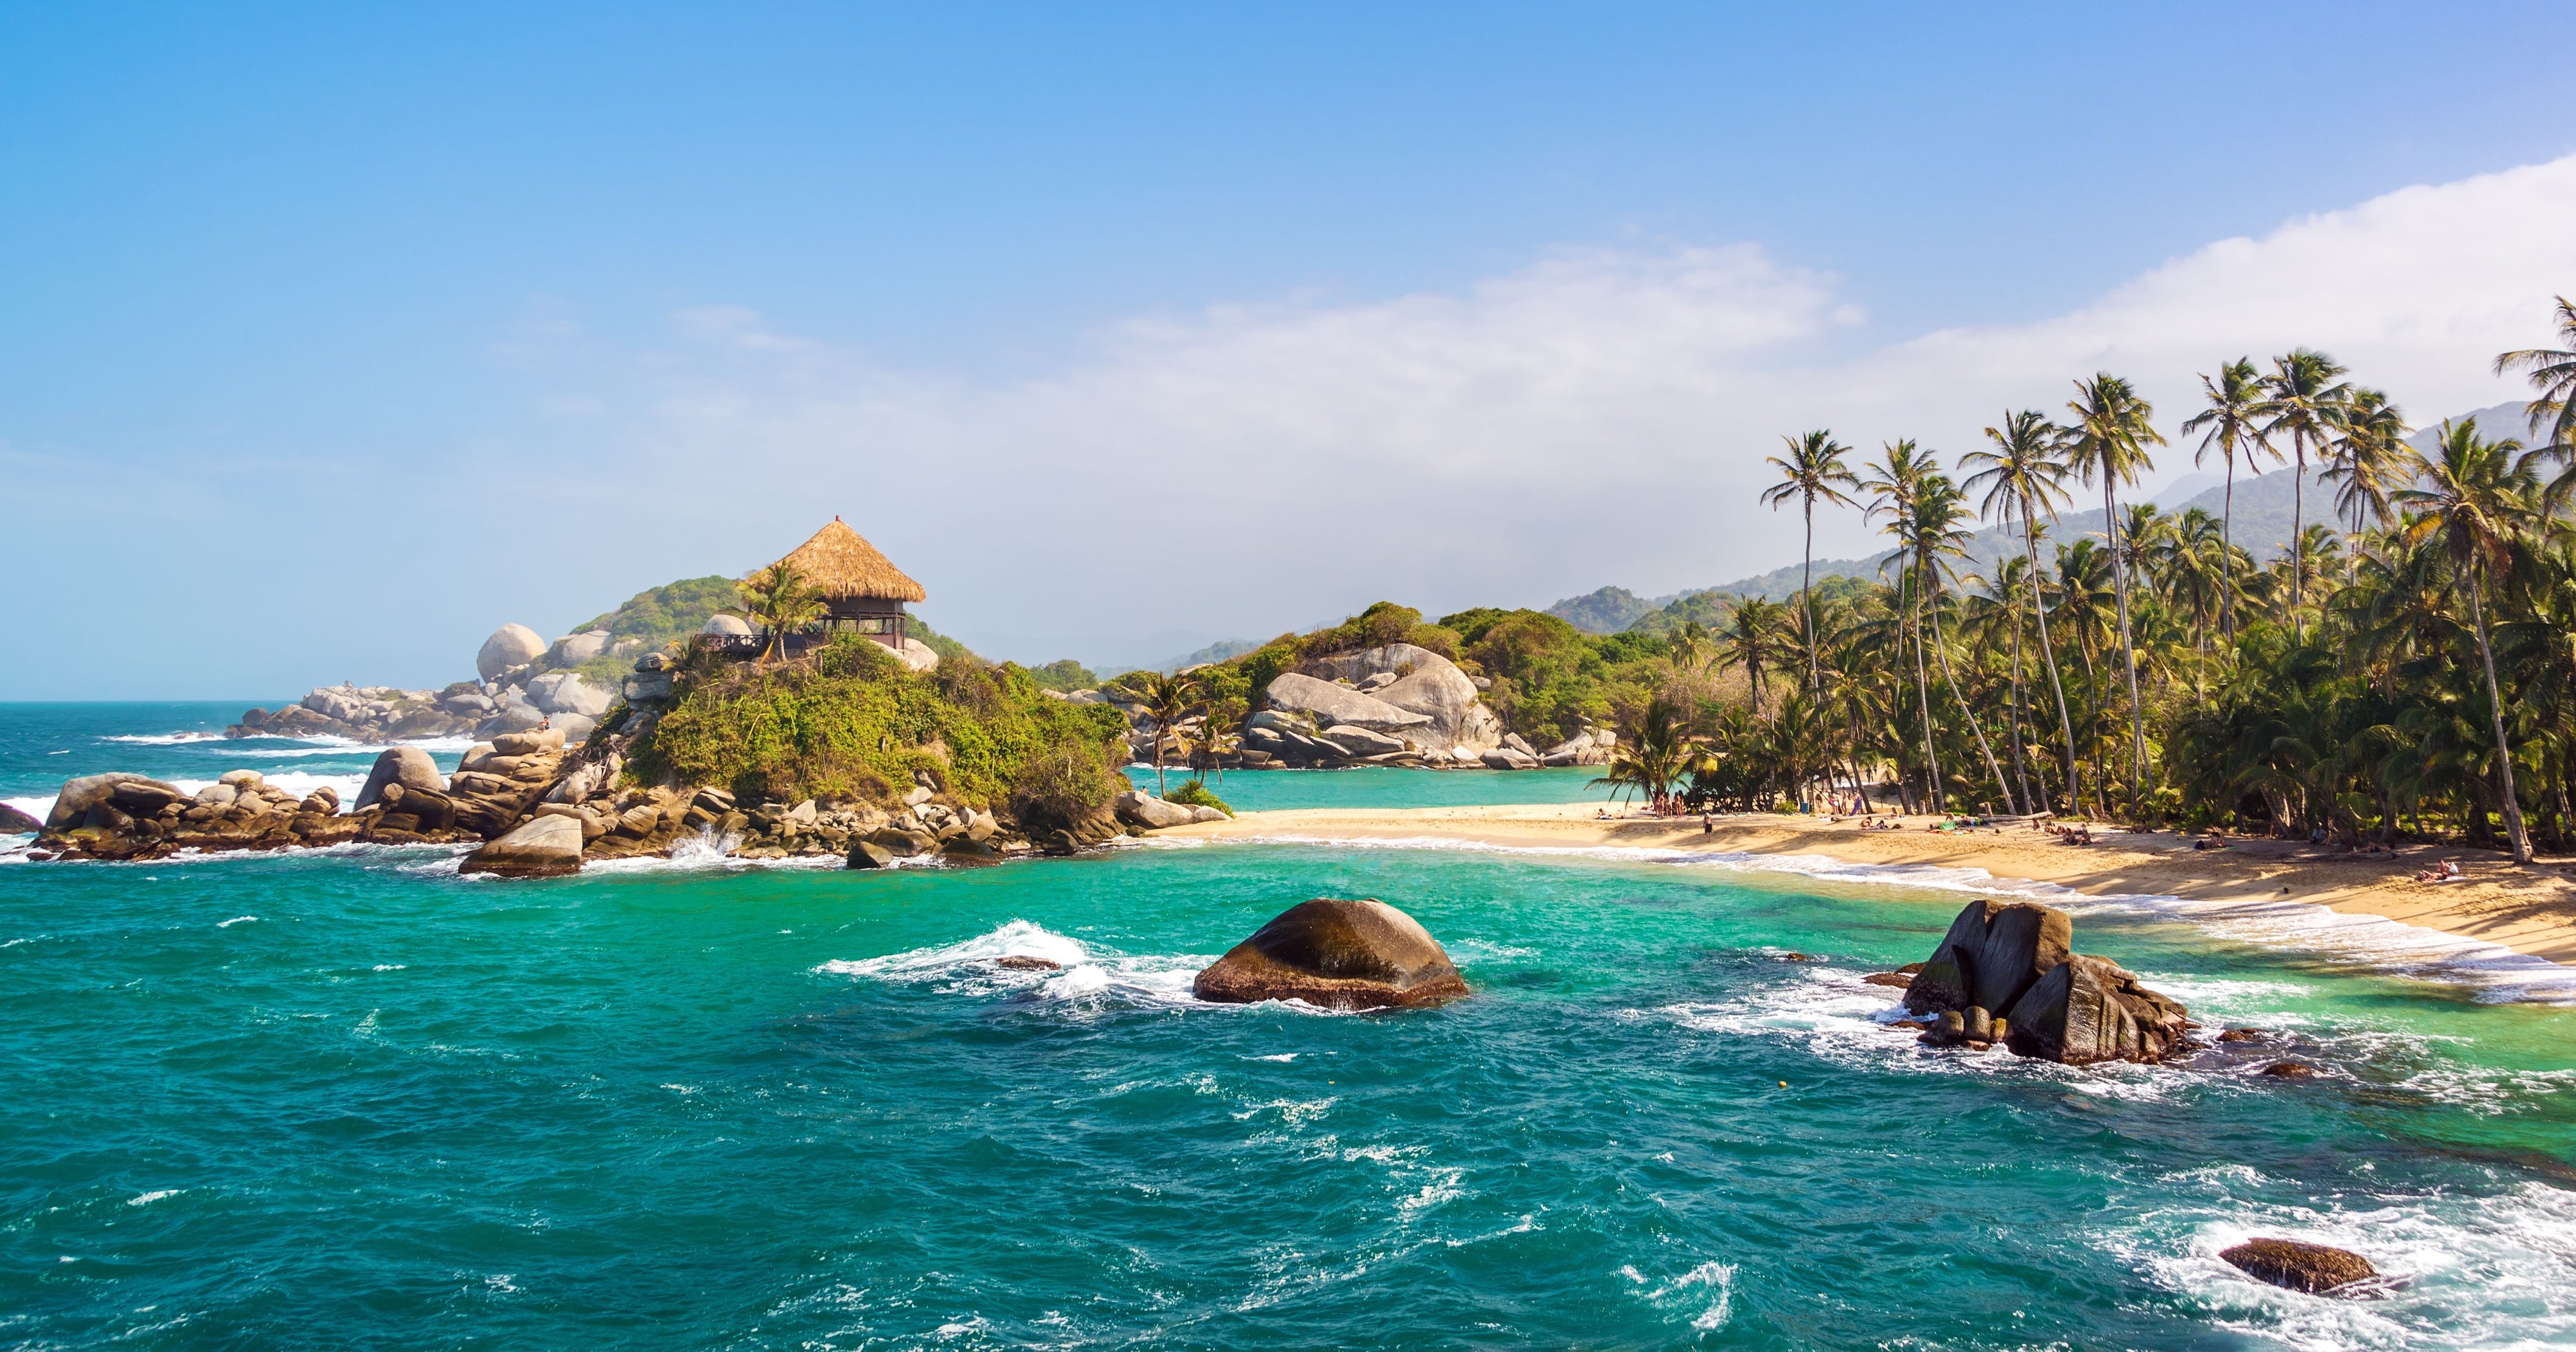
x,y
1144,809
1336,954
2300,1266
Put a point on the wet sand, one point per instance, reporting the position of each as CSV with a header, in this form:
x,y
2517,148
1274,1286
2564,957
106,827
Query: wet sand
x,y
2530,910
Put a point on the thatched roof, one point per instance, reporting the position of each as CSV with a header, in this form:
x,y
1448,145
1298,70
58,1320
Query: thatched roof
x,y
841,565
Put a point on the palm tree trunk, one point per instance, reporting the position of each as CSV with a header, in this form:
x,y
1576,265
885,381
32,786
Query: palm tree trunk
x,y
1807,596
1923,690
2128,654
2020,748
2495,711
1960,697
2227,551
2048,658
2298,518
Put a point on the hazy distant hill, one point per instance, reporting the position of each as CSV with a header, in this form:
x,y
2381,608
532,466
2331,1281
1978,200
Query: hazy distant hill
x,y
2261,527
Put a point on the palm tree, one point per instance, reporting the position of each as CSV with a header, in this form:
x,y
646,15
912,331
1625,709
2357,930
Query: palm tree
x,y
1938,536
2302,398
2228,425
1170,700
1752,640
779,597
1655,750
2108,440
2369,457
1689,648
2552,372
1814,469
1217,731
2023,479
2473,498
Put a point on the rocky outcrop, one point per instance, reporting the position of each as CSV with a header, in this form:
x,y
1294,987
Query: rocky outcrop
x,y
2300,1266
1583,748
2006,972
16,823
1993,952
544,847
1419,681
375,713
128,816
1336,954
1328,705
2090,1009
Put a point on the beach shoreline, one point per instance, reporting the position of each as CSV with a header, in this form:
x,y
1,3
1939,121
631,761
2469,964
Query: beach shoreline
x,y
2530,911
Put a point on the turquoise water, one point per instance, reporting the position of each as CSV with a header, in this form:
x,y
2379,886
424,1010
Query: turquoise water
x,y
1377,786
354,1100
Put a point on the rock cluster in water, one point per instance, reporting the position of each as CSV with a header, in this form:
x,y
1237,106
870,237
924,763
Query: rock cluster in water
x,y
1336,954
522,683
2007,972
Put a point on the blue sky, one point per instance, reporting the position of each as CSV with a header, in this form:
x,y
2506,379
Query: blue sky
x,y
535,309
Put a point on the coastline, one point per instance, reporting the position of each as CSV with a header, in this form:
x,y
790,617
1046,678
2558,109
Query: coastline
x,y
2528,911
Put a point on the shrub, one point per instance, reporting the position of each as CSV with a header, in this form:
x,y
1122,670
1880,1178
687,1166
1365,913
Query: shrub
x,y
1195,794
1065,674
849,721
1062,784
1380,624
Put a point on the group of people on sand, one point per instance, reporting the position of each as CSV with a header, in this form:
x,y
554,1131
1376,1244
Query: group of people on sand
x,y
2448,871
2081,833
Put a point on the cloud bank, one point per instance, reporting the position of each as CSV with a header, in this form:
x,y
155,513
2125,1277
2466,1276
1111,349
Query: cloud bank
x,y
1600,415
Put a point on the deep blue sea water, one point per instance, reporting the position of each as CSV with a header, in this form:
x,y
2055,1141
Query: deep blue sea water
x,y
350,1099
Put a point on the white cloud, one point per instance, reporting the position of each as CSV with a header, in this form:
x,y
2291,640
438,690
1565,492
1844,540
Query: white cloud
x,y
1599,416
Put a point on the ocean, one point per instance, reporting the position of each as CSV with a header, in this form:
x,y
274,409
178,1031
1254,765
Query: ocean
x,y
350,1099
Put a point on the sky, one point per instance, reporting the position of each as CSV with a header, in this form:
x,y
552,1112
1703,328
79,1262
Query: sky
x,y
334,337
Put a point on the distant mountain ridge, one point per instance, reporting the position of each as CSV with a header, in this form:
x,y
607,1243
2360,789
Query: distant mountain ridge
x,y
2261,527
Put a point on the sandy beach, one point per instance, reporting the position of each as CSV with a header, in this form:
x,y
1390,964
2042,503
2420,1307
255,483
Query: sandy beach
x,y
2531,911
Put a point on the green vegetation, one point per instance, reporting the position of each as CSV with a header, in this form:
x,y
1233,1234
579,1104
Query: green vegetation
x,y
670,613
1066,674
2408,669
1195,793
848,721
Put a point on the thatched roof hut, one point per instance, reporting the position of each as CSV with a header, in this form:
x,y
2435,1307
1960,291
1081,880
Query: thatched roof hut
x,y
844,567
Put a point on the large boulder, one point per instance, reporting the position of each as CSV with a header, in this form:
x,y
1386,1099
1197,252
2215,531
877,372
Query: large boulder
x,y
511,645
1994,951
408,766
16,823
574,649
726,626
77,796
1424,683
1138,808
1329,704
917,656
543,847
2090,1009
1360,743
565,692
2298,1265
1338,955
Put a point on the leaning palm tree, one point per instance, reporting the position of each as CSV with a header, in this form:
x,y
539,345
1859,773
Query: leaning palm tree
x,y
1170,701
2474,499
2108,440
780,598
2230,426
1896,485
1814,469
2024,478
2302,398
2552,372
